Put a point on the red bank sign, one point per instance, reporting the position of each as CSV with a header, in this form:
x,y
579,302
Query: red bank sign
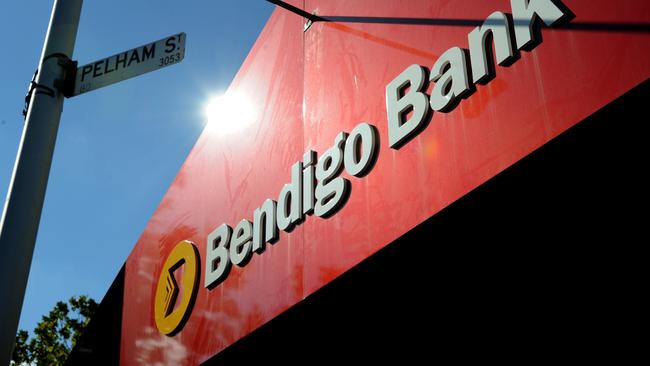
x,y
231,197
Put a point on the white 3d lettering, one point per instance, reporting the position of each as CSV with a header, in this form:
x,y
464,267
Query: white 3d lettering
x,y
317,186
452,72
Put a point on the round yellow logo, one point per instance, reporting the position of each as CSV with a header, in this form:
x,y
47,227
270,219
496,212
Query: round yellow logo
x,y
170,312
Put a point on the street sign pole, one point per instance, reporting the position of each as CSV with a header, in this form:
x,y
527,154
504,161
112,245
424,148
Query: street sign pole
x,y
22,209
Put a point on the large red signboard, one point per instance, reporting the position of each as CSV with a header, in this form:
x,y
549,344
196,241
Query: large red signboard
x,y
307,87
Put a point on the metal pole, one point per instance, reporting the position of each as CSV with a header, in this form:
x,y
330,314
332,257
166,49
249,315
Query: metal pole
x,y
22,210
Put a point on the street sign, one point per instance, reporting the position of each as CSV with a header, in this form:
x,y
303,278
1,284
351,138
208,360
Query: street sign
x,y
153,56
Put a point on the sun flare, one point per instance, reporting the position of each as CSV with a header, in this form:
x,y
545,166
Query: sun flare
x,y
229,113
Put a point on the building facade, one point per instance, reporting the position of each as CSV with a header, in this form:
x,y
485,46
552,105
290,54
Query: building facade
x,y
419,167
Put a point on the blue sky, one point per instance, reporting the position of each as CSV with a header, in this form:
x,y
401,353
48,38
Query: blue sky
x,y
119,147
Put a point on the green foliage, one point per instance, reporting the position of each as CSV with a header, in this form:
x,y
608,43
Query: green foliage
x,y
56,334
21,350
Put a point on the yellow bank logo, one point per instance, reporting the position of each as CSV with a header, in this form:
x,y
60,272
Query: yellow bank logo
x,y
171,313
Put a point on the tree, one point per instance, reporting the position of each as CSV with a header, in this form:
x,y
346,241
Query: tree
x,y
56,334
